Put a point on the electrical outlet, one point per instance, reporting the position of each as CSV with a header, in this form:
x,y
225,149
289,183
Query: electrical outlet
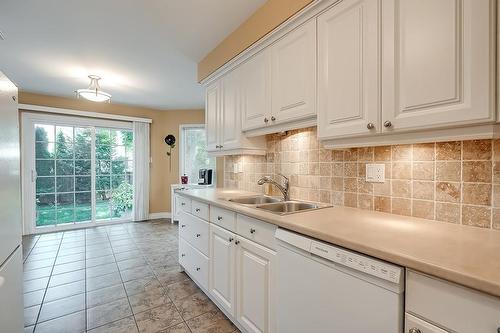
x,y
375,173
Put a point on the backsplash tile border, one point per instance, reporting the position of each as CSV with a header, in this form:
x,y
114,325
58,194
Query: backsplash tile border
x,y
457,182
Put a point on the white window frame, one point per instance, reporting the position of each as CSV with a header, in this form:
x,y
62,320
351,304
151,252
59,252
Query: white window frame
x,y
28,121
182,145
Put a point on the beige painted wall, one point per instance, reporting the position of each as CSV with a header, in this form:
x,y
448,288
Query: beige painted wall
x,y
164,122
265,19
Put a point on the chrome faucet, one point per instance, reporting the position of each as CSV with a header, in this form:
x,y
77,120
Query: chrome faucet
x,y
285,188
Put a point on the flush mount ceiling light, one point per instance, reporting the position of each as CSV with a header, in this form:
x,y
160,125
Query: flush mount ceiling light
x,y
93,92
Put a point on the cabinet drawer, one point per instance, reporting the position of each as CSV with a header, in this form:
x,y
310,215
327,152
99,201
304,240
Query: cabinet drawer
x,y
258,231
421,326
184,253
185,203
223,217
199,209
195,231
451,306
196,263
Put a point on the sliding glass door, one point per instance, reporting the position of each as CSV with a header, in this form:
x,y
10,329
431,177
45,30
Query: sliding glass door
x,y
80,172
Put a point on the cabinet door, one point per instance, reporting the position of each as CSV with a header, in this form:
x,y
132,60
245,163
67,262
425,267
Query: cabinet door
x,y
230,122
222,268
293,77
212,111
348,69
255,276
438,68
255,76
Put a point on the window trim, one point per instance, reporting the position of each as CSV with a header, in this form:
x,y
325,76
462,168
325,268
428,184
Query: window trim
x,y
182,146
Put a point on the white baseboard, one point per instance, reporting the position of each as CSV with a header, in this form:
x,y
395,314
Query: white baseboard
x,y
160,215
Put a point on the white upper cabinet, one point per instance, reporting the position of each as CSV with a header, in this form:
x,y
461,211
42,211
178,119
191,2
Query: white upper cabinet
x,y
348,69
255,80
293,75
279,82
223,118
438,63
212,111
230,129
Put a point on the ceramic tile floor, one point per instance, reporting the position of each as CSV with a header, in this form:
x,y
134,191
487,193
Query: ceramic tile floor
x,y
113,279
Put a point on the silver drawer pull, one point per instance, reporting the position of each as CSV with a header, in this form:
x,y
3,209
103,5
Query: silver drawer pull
x,y
198,235
197,210
183,255
252,230
183,225
219,218
414,330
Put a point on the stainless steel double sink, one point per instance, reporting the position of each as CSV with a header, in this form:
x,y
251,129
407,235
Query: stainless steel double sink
x,y
276,205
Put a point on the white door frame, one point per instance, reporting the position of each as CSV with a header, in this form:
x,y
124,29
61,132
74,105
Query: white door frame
x,y
28,120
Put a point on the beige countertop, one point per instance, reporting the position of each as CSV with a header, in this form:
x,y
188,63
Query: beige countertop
x,y
465,255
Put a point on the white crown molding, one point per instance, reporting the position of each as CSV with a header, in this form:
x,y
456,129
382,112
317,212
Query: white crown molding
x,y
299,18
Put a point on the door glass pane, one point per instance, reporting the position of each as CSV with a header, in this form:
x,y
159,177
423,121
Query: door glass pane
x,y
55,169
114,168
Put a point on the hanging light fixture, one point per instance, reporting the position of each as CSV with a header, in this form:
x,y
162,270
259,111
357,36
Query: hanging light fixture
x,y
93,92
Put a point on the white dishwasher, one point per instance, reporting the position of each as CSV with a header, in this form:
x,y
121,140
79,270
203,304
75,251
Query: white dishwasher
x,y
327,289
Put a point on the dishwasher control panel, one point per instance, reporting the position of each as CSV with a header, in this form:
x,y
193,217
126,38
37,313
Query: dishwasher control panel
x,y
358,262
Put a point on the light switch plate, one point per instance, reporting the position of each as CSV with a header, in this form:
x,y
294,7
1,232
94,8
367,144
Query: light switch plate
x,y
375,173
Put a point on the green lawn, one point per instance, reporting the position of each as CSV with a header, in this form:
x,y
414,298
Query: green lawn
x,y
81,213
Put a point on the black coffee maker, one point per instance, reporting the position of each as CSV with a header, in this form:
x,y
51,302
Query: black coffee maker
x,y
205,177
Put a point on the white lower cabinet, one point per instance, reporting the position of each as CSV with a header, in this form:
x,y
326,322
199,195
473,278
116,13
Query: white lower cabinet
x,y
416,325
194,262
242,280
255,280
437,306
237,273
223,268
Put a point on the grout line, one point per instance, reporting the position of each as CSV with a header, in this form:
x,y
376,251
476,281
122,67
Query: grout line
x,y
47,286
121,278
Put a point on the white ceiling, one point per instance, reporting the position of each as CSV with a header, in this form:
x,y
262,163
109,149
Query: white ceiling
x,y
146,51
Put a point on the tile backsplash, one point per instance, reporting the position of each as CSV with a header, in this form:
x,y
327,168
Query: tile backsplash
x,y
457,182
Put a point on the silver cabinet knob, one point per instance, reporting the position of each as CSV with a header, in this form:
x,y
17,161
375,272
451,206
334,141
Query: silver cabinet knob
x,y
237,242
216,146
198,268
183,255
198,235
183,204
387,124
183,225
414,330
266,120
370,126
221,146
219,218
252,231
231,239
273,118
